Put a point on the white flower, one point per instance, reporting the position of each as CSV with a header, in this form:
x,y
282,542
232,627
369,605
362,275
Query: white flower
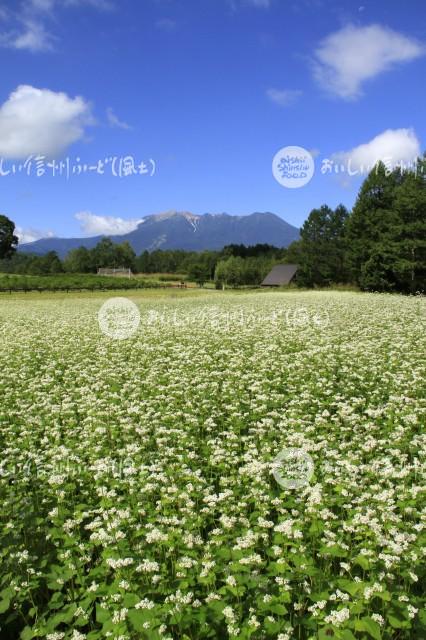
x,y
412,611
145,603
120,615
337,617
148,566
378,618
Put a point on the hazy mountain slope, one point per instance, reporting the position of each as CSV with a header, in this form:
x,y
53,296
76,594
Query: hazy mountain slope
x,y
183,230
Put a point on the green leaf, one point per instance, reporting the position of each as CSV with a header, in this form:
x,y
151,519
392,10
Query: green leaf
x,y
271,627
335,551
362,562
422,616
4,605
397,623
383,595
102,615
57,600
279,609
316,528
346,634
350,586
372,627
6,593
138,617
27,633
130,599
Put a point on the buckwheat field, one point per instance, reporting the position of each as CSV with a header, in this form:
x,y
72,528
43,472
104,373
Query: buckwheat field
x,y
137,485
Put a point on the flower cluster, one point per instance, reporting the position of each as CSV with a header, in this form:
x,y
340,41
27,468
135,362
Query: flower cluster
x,y
138,499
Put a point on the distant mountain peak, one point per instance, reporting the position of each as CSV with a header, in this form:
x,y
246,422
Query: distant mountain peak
x,y
185,230
165,215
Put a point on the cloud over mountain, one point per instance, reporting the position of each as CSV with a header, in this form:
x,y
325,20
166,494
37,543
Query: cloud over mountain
x,y
91,223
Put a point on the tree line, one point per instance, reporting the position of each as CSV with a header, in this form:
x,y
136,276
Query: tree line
x,y
246,265
380,245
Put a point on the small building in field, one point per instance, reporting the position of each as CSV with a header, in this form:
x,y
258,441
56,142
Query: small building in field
x,y
120,272
280,275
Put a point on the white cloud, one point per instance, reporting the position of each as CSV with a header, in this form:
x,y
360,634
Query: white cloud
x,y
25,26
25,29
41,5
113,121
347,58
32,37
283,97
39,121
108,225
392,147
30,235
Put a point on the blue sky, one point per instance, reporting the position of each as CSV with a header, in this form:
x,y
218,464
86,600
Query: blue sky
x,y
208,89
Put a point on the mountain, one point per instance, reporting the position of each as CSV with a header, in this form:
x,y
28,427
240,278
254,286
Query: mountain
x,y
184,230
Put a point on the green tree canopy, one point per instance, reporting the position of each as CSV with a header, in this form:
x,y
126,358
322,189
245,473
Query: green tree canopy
x,y
8,240
386,232
320,252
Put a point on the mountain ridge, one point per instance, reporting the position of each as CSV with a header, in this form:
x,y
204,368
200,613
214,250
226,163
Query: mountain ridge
x,y
183,230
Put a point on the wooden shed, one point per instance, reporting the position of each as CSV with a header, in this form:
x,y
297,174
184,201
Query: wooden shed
x,y
280,275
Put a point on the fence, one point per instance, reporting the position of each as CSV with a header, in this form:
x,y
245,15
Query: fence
x,y
120,272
